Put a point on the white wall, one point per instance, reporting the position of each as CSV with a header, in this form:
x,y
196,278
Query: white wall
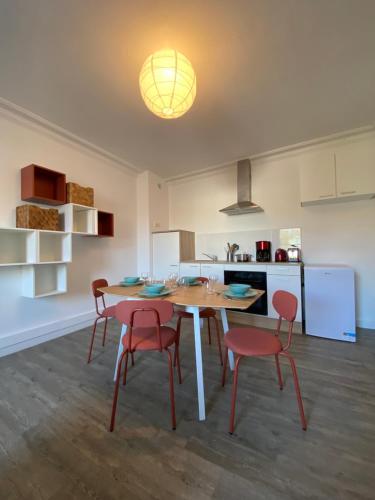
x,y
22,143
153,214
340,233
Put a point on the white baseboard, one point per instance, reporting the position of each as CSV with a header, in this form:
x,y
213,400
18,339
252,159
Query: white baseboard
x,y
18,341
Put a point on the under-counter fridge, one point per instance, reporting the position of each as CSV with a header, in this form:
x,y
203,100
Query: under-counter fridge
x,y
330,302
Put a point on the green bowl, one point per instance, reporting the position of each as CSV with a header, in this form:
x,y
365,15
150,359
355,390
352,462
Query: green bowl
x,y
154,288
131,279
189,279
239,289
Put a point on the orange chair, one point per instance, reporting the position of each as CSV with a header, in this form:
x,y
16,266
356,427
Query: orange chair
x,y
207,313
257,342
146,332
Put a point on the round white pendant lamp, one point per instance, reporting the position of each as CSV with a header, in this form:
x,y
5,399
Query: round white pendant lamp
x,y
168,83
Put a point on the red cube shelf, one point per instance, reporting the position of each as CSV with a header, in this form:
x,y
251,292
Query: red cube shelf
x,y
105,224
42,185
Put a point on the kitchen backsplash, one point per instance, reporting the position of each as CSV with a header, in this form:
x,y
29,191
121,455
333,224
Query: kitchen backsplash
x,y
215,243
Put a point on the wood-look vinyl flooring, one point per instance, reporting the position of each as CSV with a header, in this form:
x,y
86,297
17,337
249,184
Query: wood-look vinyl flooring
x,y
55,409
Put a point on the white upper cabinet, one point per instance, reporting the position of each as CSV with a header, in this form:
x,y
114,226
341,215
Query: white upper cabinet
x,y
355,169
346,171
317,177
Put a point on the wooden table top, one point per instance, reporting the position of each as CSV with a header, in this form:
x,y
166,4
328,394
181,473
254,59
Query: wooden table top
x,y
189,296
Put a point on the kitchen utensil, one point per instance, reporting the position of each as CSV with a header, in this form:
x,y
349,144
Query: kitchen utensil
x,y
263,251
281,255
294,254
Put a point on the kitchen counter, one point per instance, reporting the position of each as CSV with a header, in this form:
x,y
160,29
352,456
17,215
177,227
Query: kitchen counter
x,y
207,261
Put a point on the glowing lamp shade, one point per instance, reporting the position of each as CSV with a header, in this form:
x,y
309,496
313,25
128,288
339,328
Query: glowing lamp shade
x,y
168,83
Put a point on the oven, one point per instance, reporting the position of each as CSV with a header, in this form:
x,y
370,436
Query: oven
x,y
257,280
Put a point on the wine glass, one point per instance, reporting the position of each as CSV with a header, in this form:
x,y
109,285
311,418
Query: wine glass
x,y
144,276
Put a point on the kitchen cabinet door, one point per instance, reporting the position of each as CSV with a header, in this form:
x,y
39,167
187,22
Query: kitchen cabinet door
x,y
355,169
317,177
290,284
187,269
217,269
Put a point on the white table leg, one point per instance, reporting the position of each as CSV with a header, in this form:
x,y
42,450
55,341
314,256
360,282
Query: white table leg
x,y
224,320
120,349
198,361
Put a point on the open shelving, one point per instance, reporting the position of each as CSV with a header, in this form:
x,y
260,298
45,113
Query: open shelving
x,y
44,280
105,224
17,246
79,219
42,185
54,247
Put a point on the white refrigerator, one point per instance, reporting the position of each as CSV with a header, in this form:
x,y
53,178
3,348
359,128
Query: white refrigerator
x,y
330,302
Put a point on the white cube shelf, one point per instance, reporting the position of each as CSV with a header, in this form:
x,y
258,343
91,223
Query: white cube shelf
x,y
17,246
78,219
43,281
54,246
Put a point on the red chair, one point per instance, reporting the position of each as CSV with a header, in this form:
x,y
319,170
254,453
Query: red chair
x,y
207,313
257,342
107,312
146,332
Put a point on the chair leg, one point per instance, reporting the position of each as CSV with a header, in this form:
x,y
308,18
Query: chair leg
x,y
178,329
115,395
279,376
298,390
209,330
171,390
105,331
132,356
92,340
234,395
218,340
126,368
177,355
224,367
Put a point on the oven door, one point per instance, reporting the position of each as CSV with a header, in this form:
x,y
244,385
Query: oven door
x,y
257,280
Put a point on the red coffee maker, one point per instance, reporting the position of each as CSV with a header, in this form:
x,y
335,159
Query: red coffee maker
x,y
263,251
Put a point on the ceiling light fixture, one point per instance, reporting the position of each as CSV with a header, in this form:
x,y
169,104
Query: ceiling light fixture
x,y
168,83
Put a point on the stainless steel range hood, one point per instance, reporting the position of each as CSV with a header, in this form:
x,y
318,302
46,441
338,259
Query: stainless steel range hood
x,y
244,204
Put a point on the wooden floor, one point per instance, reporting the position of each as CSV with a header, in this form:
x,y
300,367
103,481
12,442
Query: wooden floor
x,y
54,413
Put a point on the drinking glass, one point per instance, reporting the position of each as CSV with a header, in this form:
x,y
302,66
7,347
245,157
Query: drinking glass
x,y
212,280
173,280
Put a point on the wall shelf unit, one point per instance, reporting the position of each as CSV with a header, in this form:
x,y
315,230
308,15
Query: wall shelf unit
x,y
42,185
78,219
44,280
17,246
54,247
105,224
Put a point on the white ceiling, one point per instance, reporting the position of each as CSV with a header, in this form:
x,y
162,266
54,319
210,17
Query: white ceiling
x,y
270,73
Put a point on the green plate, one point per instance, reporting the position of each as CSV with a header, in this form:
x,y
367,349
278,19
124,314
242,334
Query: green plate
x,y
148,295
122,283
247,295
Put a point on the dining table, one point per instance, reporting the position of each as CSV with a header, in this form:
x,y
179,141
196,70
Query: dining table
x,y
193,299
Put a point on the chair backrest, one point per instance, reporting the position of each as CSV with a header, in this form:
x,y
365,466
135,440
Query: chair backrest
x,y
145,313
285,304
202,279
100,283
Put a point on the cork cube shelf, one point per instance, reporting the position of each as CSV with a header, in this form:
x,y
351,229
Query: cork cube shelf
x,y
17,246
42,185
44,280
105,224
78,219
54,247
